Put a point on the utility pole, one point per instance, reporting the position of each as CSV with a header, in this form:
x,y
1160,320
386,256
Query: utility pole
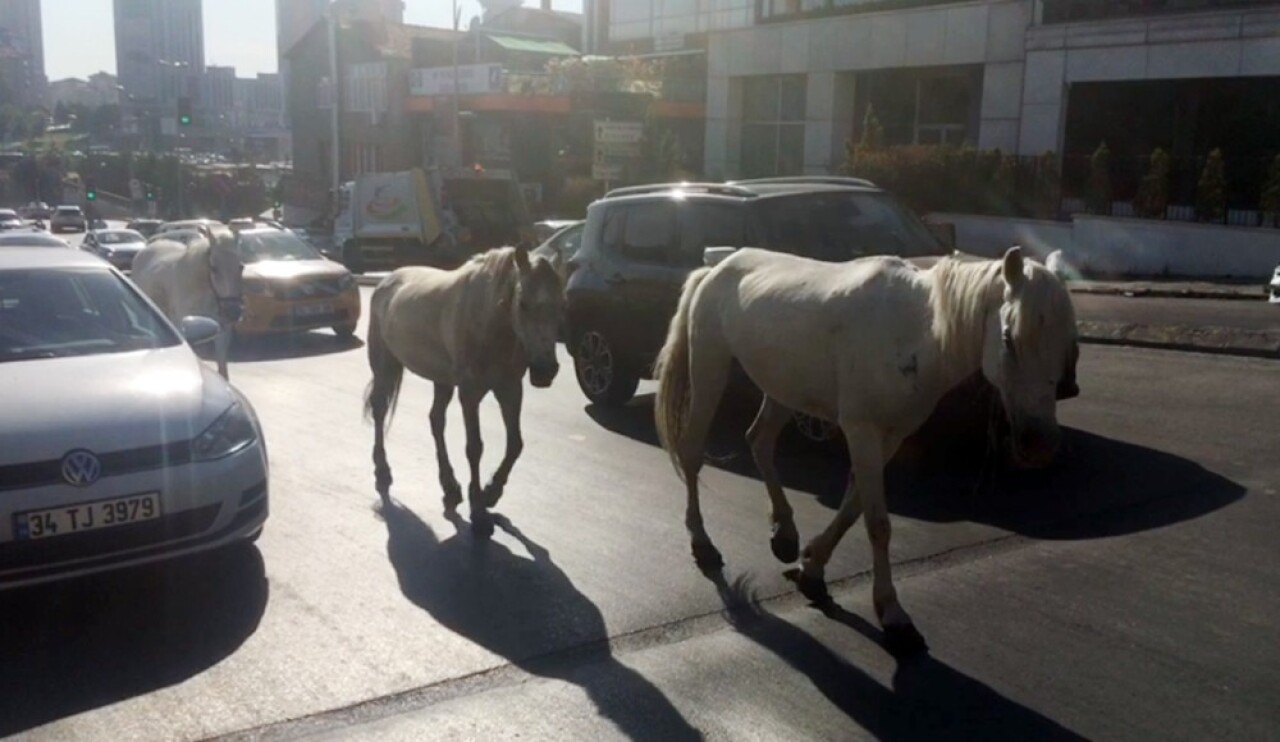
x,y
335,117
457,96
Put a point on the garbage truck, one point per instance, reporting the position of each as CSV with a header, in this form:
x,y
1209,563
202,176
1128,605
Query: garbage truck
x,y
388,220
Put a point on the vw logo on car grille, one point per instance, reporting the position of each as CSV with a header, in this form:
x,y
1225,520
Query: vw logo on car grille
x,y
81,468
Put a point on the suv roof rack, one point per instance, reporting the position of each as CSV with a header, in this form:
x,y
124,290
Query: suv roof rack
x,y
802,179
720,189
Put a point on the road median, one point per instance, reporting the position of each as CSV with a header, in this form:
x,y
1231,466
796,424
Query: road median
x,y
1220,340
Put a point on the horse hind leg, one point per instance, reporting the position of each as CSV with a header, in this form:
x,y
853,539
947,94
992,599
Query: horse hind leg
x,y
763,439
709,367
380,400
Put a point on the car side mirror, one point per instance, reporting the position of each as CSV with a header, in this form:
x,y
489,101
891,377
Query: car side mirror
x,y
713,256
199,330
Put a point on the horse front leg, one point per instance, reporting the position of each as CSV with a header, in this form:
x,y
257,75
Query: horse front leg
x,y
222,348
481,521
510,398
448,481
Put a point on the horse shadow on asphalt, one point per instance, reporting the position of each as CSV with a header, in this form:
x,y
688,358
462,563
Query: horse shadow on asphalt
x,y
526,611
86,643
1100,486
927,700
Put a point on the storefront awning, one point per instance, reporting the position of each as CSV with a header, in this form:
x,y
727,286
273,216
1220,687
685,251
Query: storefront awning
x,y
533,46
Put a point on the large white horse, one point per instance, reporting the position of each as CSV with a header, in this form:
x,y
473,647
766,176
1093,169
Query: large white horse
x,y
477,329
202,278
872,345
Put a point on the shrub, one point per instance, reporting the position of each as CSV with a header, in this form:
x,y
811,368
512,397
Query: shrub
x,y
1005,183
1211,191
1153,195
1100,180
1048,188
872,141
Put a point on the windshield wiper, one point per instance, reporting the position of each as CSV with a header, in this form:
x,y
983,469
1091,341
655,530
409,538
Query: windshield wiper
x,y
27,355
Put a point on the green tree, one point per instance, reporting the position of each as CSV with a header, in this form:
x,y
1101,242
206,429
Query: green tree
x,y
1269,203
1100,180
872,140
60,114
1211,191
1153,194
1004,184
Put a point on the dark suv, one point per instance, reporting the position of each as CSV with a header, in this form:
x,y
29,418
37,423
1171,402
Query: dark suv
x,y
640,243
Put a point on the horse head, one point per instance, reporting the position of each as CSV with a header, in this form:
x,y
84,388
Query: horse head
x,y
226,270
536,311
1029,353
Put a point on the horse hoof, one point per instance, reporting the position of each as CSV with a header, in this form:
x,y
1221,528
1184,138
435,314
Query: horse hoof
x,y
707,556
813,588
903,640
785,544
481,525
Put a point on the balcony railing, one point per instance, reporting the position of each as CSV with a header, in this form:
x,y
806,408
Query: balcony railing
x,y
675,89
1068,11
788,10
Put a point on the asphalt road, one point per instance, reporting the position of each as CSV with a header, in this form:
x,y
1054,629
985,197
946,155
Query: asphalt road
x,y
1130,593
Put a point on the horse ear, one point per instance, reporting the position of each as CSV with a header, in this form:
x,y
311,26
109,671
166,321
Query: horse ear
x,y
1013,275
522,258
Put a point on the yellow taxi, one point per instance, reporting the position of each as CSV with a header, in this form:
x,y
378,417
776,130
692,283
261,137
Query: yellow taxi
x,y
290,287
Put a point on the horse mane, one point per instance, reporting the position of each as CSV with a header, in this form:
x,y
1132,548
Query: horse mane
x,y
963,294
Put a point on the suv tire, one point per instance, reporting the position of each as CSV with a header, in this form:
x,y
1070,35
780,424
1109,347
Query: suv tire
x,y
600,373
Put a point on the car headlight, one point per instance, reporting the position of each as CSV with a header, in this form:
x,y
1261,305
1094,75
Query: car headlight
x,y
346,282
233,431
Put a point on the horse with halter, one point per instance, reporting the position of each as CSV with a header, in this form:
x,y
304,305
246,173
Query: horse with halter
x,y
202,277
476,329
872,345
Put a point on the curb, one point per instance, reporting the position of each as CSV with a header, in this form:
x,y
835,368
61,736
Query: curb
x,y
1157,293
1213,340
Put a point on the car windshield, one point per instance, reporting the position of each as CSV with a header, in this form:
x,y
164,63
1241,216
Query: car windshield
x,y
840,226
30,239
119,237
69,210
46,313
259,246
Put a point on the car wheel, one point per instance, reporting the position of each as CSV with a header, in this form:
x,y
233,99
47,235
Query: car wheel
x,y
346,332
815,429
600,374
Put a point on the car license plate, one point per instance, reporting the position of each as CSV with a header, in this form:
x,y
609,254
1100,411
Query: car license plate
x,y
312,310
89,516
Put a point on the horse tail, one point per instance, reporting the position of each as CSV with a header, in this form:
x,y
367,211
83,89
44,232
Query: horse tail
x,y
671,411
383,391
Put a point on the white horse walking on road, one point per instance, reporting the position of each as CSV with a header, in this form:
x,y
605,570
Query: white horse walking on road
x,y
872,345
476,329
201,278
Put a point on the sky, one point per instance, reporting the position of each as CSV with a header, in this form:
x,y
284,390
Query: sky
x,y
238,33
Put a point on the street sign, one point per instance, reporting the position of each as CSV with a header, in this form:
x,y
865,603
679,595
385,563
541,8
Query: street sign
x,y
619,132
606,172
607,151
135,189
473,79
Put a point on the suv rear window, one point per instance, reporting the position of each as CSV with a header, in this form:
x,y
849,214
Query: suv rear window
x,y
842,226
648,231
706,224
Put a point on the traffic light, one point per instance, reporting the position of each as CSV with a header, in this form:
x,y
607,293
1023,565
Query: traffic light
x,y
151,193
91,195
184,112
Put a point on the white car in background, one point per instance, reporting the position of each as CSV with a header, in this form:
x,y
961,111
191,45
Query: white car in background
x,y
1274,287
118,446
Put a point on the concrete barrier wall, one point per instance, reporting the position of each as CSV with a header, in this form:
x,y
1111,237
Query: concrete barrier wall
x,y
1116,247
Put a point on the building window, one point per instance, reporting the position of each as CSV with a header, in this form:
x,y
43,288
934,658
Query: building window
x,y
942,110
366,88
773,110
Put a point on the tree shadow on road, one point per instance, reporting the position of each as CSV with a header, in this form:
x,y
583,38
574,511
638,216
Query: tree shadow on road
x,y
528,612
928,699
1100,486
70,647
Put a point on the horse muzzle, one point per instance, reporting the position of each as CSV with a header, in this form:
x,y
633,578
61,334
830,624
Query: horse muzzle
x,y
1035,446
230,310
542,374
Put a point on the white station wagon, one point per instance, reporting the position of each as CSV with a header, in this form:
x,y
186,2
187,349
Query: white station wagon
x,y
118,446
